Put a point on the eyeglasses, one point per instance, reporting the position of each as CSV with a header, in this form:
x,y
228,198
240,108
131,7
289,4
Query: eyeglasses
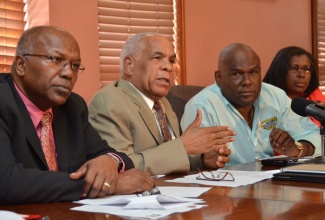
x,y
221,176
297,69
61,62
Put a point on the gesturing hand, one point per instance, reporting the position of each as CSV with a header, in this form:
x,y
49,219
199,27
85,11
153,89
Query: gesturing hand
x,y
199,140
100,176
216,159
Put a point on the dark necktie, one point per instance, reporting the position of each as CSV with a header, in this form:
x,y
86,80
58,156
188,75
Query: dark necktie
x,y
162,122
47,145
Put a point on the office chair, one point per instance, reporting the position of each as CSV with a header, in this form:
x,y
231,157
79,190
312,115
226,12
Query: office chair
x,y
179,95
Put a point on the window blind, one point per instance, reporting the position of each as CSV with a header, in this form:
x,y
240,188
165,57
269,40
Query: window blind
x,y
11,27
119,19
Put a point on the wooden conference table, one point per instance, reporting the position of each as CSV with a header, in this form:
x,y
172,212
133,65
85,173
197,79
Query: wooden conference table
x,y
268,199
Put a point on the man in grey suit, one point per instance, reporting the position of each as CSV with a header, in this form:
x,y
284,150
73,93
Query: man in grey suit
x,y
122,112
44,71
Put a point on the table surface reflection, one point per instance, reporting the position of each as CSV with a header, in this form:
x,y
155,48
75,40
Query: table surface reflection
x,y
268,199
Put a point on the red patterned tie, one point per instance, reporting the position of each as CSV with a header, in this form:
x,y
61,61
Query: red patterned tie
x,y
162,122
46,142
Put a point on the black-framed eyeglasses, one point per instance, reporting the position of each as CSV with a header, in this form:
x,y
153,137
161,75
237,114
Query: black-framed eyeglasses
x,y
61,62
209,176
298,69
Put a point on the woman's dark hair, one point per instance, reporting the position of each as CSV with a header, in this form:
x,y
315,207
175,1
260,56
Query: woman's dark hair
x,y
278,70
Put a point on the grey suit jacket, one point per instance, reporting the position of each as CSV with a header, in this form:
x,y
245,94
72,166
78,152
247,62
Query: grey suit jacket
x,y
122,117
24,175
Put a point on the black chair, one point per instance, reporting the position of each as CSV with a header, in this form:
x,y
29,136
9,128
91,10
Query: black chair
x,y
179,95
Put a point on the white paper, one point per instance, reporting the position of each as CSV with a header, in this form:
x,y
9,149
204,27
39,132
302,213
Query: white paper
x,y
139,202
241,178
138,213
189,192
8,215
171,200
171,191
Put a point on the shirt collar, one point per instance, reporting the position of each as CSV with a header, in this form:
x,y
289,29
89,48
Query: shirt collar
x,y
35,113
149,102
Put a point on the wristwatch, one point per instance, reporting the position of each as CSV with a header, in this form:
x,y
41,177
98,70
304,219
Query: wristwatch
x,y
118,160
300,148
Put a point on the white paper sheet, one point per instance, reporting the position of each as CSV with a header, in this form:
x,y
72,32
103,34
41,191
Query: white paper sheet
x,y
140,202
172,191
138,213
8,215
241,178
171,200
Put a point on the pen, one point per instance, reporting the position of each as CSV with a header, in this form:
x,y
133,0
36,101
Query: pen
x,y
154,191
34,217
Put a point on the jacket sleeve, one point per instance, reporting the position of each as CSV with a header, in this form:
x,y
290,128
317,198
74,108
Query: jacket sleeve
x,y
117,119
97,146
24,178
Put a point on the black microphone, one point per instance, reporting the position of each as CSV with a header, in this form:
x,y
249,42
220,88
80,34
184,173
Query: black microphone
x,y
305,108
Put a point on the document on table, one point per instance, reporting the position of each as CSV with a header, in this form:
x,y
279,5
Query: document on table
x,y
171,200
241,178
8,215
138,213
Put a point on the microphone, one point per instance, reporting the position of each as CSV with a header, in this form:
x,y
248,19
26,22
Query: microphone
x,y
305,108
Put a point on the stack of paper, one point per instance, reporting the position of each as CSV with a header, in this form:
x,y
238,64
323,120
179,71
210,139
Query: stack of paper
x,y
172,200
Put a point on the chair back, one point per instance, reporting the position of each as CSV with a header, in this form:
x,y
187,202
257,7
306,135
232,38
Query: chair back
x,y
179,95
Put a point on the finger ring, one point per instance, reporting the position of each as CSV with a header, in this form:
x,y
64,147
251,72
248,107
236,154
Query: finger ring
x,y
107,184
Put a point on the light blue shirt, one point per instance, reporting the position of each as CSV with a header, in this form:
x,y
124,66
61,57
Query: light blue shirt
x,y
272,109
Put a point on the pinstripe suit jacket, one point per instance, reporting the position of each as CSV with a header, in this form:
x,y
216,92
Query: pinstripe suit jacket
x,y
23,169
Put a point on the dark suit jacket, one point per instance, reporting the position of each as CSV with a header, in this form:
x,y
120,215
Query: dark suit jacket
x,y
24,175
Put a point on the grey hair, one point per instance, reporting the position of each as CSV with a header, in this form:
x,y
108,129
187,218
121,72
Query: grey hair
x,y
132,46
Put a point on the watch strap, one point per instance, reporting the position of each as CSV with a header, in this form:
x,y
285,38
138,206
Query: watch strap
x,y
300,148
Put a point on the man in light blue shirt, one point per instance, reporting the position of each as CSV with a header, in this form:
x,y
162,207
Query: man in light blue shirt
x,y
260,113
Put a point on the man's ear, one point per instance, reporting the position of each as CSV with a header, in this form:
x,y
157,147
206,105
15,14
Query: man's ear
x,y
128,64
20,65
217,76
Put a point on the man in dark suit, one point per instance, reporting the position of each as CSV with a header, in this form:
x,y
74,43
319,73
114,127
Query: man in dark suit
x,y
44,71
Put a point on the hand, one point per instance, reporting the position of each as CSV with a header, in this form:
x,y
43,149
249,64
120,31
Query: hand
x,y
199,140
216,159
96,172
134,180
282,142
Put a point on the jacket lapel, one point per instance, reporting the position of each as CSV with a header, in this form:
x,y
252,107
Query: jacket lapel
x,y
28,126
59,126
143,110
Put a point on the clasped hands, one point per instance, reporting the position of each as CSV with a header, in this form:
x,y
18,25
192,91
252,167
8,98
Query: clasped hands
x,y
101,178
212,142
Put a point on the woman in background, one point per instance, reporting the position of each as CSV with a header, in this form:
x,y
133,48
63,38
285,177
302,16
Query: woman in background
x,y
294,70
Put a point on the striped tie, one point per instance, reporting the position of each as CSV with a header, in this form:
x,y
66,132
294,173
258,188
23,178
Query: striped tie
x,y
162,122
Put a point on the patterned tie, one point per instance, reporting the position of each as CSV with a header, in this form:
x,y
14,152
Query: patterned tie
x,y
162,122
46,142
